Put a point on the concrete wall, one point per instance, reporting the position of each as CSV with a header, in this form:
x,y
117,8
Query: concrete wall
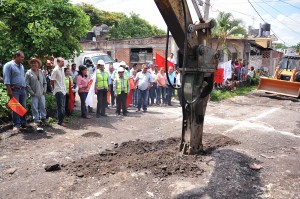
x,y
235,46
255,61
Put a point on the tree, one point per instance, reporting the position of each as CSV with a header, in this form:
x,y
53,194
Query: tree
x,y
225,27
121,26
134,27
41,27
297,47
279,46
100,16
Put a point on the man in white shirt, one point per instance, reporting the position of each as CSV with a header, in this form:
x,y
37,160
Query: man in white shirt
x,y
172,59
111,71
59,89
144,82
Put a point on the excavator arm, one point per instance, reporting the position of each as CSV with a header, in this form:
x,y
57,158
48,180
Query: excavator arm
x,y
197,66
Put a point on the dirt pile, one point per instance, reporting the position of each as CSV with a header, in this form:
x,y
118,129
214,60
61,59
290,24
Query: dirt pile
x,y
161,158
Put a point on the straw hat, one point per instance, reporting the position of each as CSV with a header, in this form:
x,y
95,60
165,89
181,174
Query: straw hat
x,y
33,59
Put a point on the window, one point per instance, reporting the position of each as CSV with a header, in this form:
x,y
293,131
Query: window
x,y
141,55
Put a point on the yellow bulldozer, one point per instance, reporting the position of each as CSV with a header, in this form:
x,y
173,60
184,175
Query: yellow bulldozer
x,y
286,80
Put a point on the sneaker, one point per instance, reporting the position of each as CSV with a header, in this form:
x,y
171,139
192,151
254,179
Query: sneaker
x,y
16,129
87,117
97,116
138,111
145,110
63,124
103,115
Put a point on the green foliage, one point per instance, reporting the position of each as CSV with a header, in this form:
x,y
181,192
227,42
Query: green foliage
x,y
121,26
297,47
134,27
279,46
218,95
100,16
225,27
41,27
4,110
50,101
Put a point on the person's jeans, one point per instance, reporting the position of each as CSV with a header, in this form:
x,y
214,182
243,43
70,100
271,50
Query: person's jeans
x,y
134,98
121,103
143,98
153,93
112,95
161,93
20,95
170,91
83,96
38,106
102,101
67,109
60,101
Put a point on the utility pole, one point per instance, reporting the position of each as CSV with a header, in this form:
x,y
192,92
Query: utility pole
x,y
206,9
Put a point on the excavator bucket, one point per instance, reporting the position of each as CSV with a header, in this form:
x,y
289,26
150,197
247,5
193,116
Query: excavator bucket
x,y
280,87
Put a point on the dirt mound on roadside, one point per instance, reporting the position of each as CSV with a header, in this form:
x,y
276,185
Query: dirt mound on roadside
x,y
161,158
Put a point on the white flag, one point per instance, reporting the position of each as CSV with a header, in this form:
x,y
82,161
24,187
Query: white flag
x,y
227,69
90,97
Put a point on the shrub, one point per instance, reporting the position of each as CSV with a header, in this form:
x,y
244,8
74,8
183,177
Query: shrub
x,y
4,110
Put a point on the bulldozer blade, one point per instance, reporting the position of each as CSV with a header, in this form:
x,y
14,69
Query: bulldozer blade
x,y
280,87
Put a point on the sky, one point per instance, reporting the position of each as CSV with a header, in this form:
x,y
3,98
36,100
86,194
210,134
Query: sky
x,y
283,15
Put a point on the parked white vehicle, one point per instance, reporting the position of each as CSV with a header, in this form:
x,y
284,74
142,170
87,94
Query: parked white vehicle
x,y
92,58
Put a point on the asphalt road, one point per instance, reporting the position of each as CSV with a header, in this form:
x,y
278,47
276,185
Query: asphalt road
x,y
268,130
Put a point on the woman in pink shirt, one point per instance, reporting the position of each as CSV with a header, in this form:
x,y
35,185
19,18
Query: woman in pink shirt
x,y
83,89
161,87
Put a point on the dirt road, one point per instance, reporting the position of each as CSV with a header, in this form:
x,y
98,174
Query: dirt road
x,y
136,156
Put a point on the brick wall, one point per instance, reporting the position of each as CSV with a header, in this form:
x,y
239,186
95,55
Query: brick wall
x,y
120,48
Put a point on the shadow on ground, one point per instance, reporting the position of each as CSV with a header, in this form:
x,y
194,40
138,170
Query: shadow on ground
x,y
231,178
32,134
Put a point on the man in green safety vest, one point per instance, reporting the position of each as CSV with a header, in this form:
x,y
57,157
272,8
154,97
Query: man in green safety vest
x,y
121,89
101,87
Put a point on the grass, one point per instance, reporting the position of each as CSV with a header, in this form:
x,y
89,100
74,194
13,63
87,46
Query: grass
x,y
218,95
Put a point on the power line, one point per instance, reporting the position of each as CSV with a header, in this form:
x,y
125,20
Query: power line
x,y
265,22
279,21
281,12
225,9
289,4
242,2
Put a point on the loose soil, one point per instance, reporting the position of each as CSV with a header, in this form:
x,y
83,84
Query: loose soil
x,y
161,158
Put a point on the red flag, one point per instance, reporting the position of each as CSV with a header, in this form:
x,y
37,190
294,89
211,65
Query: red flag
x,y
16,107
90,84
219,75
108,97
71,97
129,98
161,62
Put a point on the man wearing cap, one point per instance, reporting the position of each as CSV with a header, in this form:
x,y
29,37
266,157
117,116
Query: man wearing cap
x,y
36,86
144,81
101,88
121,89
126,72
14,79
59,89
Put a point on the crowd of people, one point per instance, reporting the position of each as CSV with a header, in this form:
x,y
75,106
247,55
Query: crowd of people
x,y
143,86
239,75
